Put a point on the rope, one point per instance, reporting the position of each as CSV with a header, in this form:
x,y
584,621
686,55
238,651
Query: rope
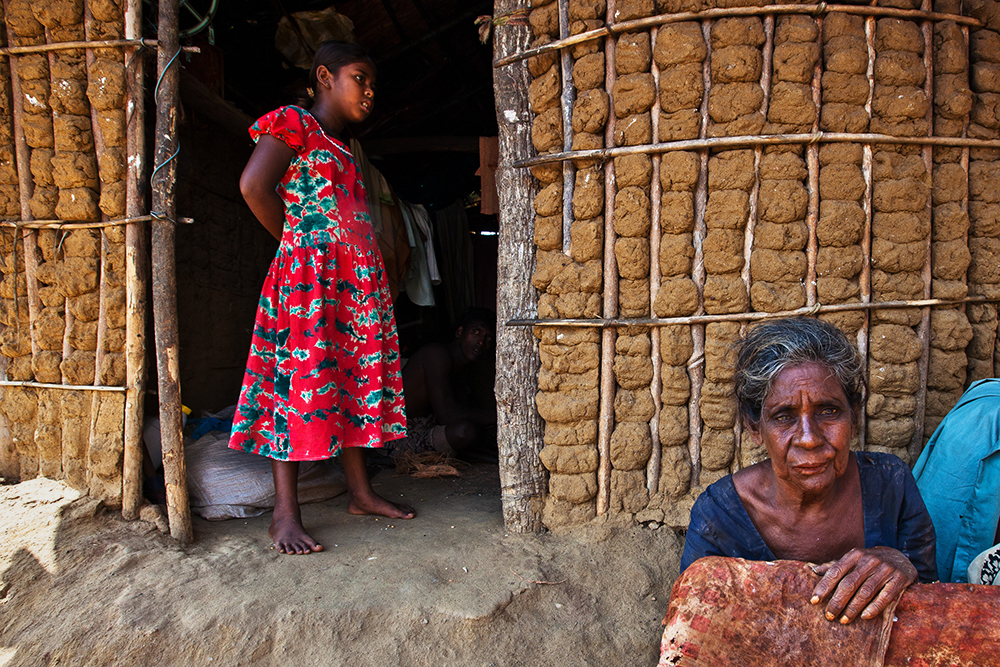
x,y
156,97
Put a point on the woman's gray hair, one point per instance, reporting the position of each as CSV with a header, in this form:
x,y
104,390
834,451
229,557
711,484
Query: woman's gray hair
x,y
770,348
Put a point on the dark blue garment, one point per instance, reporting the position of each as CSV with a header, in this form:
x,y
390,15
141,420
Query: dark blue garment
x,y
895,517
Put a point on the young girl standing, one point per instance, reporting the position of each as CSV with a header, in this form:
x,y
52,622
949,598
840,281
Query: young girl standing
x,y
323,377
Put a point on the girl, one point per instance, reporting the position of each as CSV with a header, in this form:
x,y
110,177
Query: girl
x,y
323,375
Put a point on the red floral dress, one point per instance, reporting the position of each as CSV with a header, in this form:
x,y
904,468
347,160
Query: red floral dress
x,y
323,371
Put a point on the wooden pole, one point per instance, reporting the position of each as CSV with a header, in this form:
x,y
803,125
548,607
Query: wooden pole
x,y
865,278
751,316
86,44
749,141
696,363
812,165
818,9
164,274
523,479
566,107
26,185
136,268
653,465
924,332
606,408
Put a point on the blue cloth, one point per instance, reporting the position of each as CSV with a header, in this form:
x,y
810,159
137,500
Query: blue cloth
x,y
895,517
958,474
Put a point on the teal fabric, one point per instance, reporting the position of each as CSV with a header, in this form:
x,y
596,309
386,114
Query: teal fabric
x,y
958,475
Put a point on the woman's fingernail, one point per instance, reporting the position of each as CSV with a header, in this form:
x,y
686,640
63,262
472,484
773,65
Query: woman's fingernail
x,y
829,616
844,620
814,599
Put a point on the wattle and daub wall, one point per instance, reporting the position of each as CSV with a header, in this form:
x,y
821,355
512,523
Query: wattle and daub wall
x,y
723,230
62,296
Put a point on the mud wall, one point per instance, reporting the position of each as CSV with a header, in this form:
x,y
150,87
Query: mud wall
x,y
640,417
62,297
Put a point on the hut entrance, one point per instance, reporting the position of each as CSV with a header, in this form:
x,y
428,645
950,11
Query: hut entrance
x,y
432,118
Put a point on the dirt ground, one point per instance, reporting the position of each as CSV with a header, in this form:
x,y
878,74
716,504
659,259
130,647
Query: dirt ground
x,y
81,586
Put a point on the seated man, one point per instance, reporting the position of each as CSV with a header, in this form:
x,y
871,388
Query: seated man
x,y
439,414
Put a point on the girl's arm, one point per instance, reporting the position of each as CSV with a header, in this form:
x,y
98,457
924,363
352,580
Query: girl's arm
x,y
264,170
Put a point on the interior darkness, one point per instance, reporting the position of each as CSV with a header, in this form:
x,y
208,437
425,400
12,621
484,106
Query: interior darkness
x,y
434,101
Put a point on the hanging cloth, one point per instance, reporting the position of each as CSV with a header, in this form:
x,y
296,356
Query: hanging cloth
x,y
418,282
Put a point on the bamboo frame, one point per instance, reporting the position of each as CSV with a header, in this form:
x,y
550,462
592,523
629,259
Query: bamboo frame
x,y
709,14
566,100
812,166
61,224
704,144
696,363
656,453
924,332
865,277
25,189
750,141
52,385
135,270
750,316
87,44
606,408
100,354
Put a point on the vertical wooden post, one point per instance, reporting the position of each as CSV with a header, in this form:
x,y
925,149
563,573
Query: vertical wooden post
x,y
812,164
696,364
523,479
656,388
566,100
164,274
26,185
135,267
917,442
606,410
865,278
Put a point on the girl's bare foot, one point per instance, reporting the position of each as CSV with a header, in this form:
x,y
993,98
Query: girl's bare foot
x,y
376,504
289,536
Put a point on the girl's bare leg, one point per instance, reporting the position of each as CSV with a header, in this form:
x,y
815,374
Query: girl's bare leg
x,y
364,500
286,523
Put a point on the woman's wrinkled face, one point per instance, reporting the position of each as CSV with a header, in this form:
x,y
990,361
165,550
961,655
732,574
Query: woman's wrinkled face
x,y
807,425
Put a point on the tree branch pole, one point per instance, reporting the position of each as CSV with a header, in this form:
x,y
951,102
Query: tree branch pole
x,y
164,274
135,269
523,479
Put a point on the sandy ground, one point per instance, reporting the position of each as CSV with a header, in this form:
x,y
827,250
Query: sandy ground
x,y
81,586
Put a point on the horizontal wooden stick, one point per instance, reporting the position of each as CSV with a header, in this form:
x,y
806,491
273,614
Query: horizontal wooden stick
x,y
47,385
664,19
84,44
745,317
756,140
61,224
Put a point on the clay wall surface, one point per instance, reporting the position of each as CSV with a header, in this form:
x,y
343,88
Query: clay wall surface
x,y
62,295
640,416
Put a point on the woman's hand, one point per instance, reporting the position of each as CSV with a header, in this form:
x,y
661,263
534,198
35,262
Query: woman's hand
x,y
863,582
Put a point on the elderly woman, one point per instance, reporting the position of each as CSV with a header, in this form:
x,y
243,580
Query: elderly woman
x,y
858,514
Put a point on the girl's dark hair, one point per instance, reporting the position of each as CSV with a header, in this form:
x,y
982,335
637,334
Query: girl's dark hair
x,y
334,55
770,348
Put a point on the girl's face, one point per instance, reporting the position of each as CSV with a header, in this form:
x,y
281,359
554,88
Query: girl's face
x,y
349,92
